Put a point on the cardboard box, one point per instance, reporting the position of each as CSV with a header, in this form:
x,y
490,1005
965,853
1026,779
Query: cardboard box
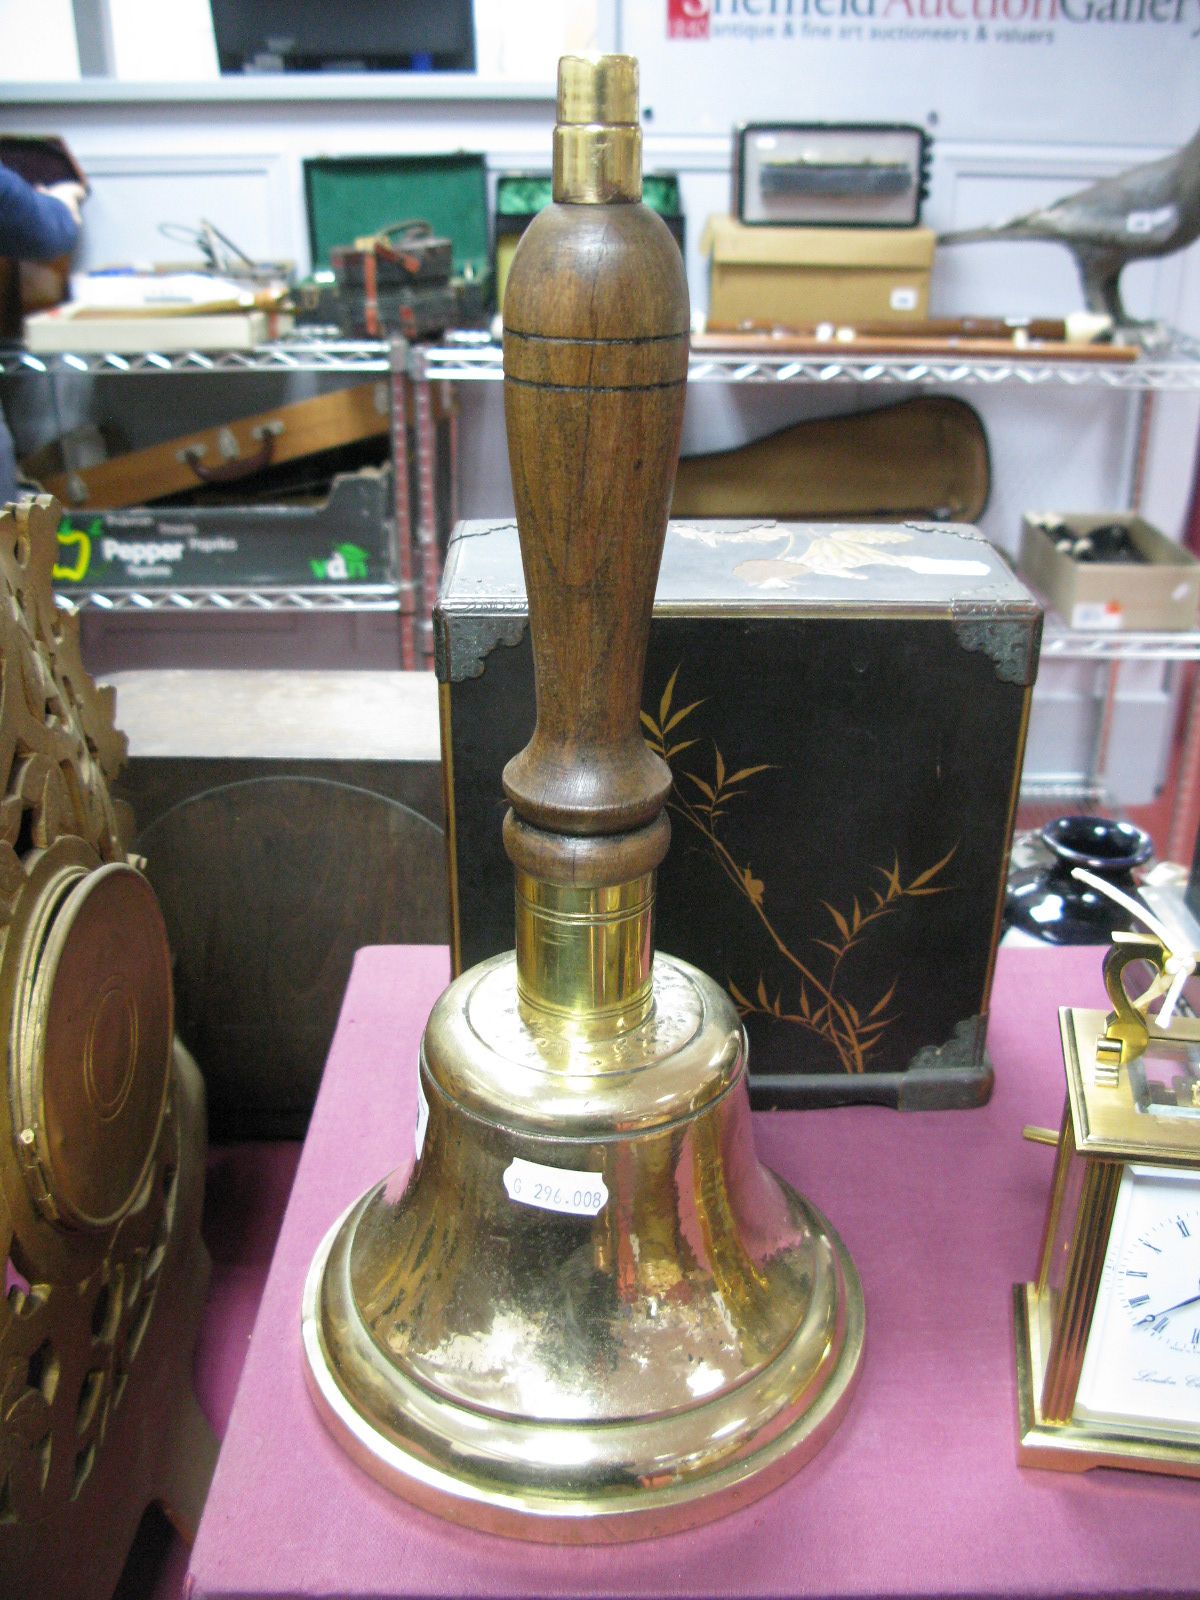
x,y
244,447
797,277
1162,592
839,847
71,328
341,540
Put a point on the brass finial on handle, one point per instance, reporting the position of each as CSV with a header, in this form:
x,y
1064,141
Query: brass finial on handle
x,y
597,140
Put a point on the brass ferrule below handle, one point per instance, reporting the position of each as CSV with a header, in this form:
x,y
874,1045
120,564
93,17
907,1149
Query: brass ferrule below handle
x,y
584,955
598,139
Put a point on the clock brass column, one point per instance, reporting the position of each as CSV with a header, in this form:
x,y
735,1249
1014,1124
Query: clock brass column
x,y
587,1313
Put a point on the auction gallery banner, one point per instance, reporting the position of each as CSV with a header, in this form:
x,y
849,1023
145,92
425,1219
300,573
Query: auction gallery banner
x,y
1045,71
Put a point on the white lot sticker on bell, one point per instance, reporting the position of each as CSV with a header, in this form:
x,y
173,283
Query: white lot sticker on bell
x,y
578,1194
904,299
422,1116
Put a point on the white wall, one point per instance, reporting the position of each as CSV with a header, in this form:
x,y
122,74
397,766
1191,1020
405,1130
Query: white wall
x,y
172,41
161,40
1013,124
1071,71
1015,121
233,150
37,44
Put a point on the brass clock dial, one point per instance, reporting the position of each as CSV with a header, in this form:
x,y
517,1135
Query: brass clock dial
x,y
1143,1358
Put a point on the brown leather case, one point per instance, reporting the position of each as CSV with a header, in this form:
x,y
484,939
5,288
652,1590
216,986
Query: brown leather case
x,y
229,453
926,457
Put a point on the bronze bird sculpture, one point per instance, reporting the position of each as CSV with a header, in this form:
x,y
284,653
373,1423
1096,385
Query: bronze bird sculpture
x,y
1148,210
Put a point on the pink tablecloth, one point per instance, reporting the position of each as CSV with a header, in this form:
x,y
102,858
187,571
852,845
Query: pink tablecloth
x,y
917,1494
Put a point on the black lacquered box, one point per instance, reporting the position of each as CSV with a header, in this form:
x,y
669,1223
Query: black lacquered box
x,y
843,707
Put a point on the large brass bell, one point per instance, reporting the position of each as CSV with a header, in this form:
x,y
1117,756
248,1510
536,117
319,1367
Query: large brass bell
x,y
587,1313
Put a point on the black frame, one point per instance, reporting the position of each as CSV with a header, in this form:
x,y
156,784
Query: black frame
x,y
924,147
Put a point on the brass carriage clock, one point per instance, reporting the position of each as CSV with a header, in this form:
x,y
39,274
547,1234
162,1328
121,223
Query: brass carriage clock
x,y
1108,1338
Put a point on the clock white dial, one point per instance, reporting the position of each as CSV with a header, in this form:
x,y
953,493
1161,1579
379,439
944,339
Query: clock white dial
x,y
1142,1365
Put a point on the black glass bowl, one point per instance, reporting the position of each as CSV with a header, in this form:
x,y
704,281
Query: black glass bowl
x,y
1053,906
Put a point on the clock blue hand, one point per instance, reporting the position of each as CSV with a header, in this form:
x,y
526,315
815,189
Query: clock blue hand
x,y
1154,1316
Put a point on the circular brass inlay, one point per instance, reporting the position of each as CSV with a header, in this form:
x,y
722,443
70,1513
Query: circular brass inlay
x,y
94,1047
110,1058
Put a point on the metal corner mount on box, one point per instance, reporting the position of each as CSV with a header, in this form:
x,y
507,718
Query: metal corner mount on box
x,y
843,708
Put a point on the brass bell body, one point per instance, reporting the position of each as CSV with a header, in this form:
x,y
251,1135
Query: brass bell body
x,y
587,1312
576,1377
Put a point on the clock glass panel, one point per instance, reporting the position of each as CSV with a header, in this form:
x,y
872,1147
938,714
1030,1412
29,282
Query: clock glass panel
x,y
1166,1082
1142,1366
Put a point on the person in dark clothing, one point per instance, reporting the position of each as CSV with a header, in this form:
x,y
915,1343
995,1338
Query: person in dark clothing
x,y
35,225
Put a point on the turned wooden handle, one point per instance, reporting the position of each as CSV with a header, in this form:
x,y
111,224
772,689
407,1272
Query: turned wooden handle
x,y
595,363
